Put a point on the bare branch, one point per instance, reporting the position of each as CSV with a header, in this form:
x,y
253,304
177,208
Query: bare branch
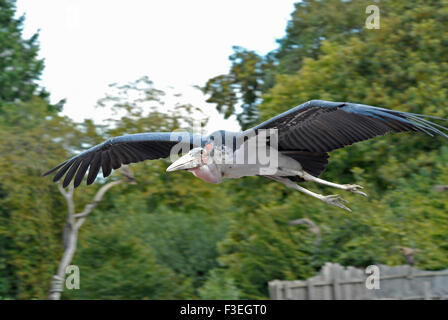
x,y
127,174
61,190
441,188
408,254
74,222
314,228
98,197
68,195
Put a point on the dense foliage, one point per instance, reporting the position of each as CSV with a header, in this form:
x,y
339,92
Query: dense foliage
x,y
19,66
174,236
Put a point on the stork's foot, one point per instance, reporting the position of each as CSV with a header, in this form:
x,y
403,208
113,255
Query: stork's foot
x,y
335,200
354,188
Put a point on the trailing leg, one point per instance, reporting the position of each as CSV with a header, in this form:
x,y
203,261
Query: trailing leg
x,y
308,177
334,200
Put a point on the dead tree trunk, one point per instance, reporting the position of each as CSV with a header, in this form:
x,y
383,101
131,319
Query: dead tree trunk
x,y
73,223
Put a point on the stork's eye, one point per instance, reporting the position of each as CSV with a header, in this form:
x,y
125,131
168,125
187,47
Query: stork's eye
x,y
204,156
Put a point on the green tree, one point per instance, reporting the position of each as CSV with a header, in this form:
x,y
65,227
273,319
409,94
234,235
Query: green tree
x,y
260,246
116,263
219,287
313,22
33,139
239,92
19,65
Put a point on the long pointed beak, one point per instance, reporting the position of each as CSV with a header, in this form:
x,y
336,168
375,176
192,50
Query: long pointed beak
x,y
184,162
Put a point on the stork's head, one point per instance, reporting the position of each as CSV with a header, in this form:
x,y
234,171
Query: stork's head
x,y
199,161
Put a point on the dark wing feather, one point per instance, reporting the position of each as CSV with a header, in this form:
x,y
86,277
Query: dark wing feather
x,y
310,130
94,167
114,152
71,172
323,126
312,162
82,170
106,165
67,164
114,159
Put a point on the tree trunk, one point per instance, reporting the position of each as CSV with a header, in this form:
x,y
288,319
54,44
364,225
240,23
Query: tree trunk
x,y
73,224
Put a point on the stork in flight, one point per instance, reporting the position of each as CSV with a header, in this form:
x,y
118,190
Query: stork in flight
x,y
296,149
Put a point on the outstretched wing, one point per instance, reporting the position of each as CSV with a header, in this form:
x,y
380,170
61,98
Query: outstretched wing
x,y
114,152
322,126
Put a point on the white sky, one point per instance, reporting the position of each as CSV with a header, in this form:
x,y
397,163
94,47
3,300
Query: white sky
x,y
90,44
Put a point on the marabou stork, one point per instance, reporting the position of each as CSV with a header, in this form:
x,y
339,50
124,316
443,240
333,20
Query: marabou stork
x,y
295,150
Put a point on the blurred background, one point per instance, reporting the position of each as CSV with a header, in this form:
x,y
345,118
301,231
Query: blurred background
x,y
73,74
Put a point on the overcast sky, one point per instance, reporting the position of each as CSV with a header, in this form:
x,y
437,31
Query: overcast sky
x,y
90,44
